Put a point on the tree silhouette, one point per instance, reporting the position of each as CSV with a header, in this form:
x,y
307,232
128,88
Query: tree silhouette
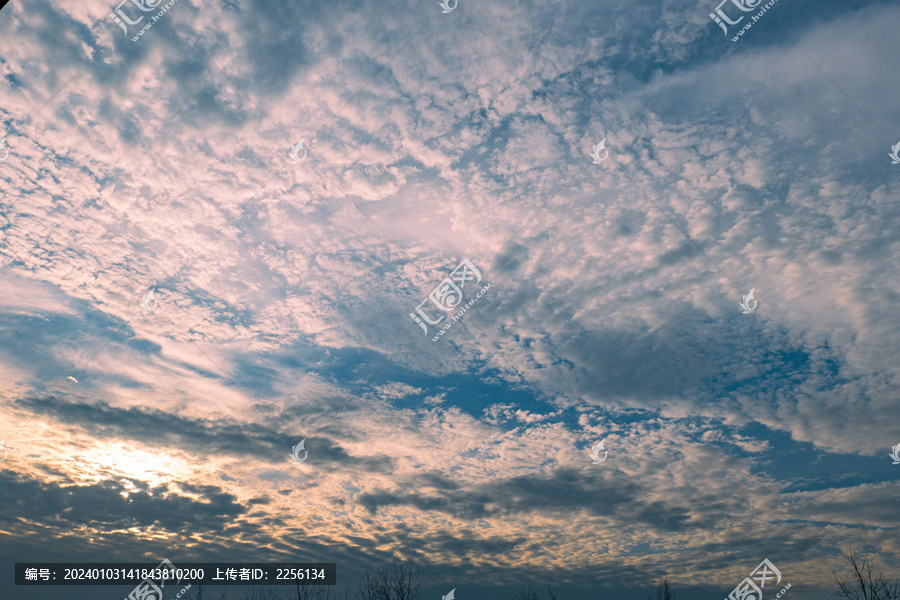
x,y
400,582
310,592
663,590
530,594
863,583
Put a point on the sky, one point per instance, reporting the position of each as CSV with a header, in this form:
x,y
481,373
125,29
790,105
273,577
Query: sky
x,y
446,168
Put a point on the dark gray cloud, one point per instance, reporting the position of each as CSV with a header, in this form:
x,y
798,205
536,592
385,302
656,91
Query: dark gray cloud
x,y
559,492
217,437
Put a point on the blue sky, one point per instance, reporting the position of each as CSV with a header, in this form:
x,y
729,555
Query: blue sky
x,y
283,290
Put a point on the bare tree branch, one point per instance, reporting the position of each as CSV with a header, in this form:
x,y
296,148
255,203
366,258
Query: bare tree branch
x,y
863,583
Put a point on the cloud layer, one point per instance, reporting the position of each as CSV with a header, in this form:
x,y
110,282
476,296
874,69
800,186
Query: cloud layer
x,y
285,290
